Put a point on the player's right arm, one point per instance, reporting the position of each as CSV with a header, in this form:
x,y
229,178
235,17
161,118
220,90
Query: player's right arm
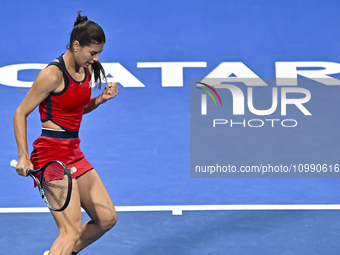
x,y
48,80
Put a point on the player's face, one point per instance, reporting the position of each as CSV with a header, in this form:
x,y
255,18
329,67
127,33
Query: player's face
x,y
87,55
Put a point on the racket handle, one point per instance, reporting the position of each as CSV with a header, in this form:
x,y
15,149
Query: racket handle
x,y
14,163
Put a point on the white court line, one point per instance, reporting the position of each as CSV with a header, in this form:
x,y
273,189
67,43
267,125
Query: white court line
x,y
178,209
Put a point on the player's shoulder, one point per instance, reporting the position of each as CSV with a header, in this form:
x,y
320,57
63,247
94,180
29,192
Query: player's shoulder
x,y
50,74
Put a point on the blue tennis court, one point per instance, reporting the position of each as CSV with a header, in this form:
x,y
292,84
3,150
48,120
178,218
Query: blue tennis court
x,y
140,143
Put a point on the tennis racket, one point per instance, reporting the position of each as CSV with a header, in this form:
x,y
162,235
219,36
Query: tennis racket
x,y
54,182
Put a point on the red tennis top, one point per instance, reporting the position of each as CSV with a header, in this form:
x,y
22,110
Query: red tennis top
x,y
66,108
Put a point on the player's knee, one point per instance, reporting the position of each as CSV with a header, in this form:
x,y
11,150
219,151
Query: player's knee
x,y
71,234
109,221
113,220
77,232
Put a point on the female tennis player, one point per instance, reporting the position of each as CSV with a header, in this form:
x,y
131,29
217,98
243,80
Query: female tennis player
x,y
63,93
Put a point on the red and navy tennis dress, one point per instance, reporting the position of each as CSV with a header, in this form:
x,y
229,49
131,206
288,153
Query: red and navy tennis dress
x,y
64,109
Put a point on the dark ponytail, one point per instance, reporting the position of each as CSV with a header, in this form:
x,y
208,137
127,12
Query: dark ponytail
x,y
86,33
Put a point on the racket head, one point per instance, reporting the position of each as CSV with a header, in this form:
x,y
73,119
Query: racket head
x,y
54,182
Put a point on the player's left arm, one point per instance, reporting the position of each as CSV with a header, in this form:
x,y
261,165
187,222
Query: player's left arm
x,y
110,91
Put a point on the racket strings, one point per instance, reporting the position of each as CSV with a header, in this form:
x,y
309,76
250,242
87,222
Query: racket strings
x,y
55,184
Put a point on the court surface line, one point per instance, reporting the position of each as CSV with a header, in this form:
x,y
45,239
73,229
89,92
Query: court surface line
x,y
178,209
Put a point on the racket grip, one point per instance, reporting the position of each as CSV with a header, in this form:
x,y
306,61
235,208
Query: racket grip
x,y
14,163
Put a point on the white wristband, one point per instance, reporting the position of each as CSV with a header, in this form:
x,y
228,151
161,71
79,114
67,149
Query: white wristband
x,y
98,101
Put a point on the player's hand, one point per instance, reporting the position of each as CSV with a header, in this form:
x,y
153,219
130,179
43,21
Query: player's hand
x,y
22,166
110,91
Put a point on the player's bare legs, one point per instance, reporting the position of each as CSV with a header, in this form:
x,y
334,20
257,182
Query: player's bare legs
x,y
69,225
97,203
